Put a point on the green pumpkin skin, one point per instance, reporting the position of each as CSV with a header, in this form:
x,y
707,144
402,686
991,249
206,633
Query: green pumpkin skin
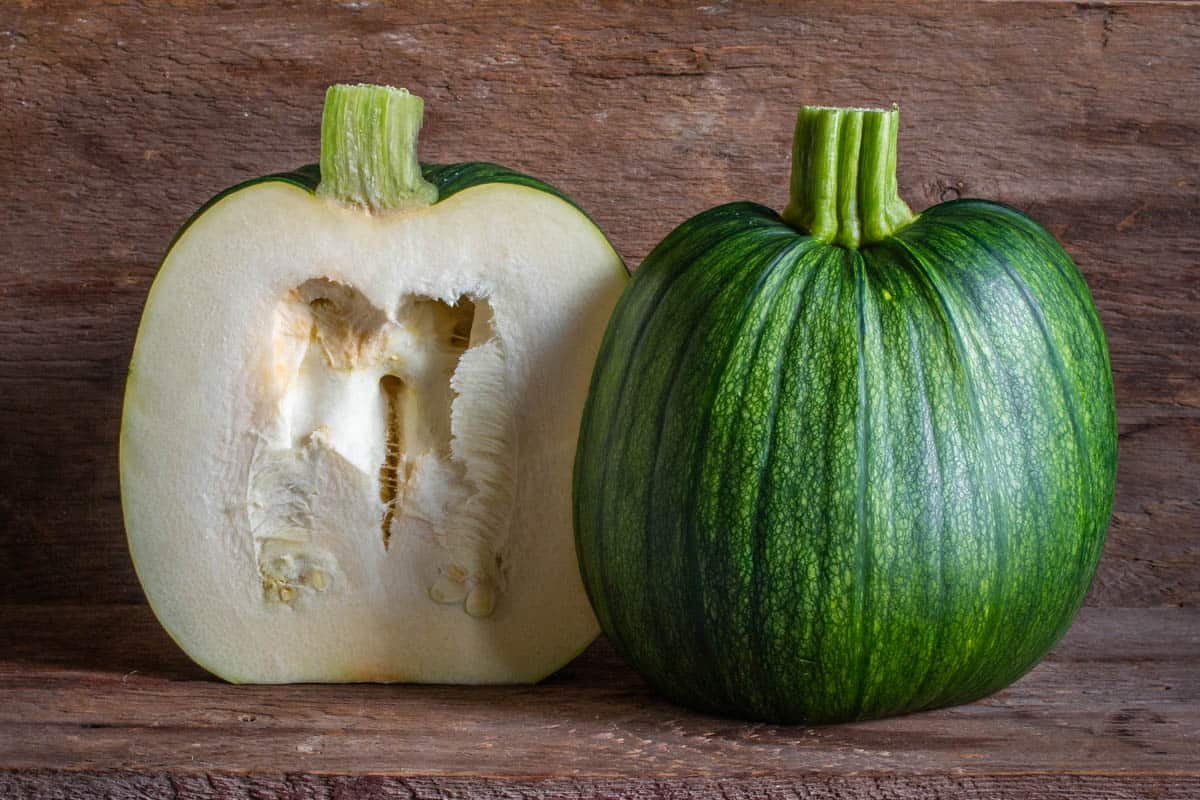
x,y
819,484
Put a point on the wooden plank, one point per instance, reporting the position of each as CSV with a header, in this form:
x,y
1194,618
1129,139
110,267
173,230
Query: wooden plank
x,y
1153,552
95,688
115,785
119,120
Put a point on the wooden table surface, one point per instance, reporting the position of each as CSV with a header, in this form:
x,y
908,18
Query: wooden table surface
x,y
118,120
100,702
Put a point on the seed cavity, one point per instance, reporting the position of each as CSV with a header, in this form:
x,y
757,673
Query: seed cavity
x,y
346,325
390,477
416,400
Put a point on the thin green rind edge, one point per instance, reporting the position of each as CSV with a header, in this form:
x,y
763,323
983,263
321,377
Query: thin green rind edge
x,y
450,179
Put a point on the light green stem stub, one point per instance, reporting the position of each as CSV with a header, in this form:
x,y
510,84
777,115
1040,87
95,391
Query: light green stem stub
x,y
844,188
369,148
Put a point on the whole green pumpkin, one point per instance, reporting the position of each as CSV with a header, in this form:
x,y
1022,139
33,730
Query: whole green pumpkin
x,y
846,462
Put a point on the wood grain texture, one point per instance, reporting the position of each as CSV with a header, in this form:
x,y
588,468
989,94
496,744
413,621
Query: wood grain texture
x,y
116,785
118,120
97,698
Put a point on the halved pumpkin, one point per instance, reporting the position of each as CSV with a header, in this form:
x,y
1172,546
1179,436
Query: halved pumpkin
x,y
351,415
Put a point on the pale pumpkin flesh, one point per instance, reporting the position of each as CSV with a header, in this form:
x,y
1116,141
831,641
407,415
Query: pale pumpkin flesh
x,y
347,438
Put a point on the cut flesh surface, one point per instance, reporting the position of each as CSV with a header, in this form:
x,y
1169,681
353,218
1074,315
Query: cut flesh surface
x,y
347,440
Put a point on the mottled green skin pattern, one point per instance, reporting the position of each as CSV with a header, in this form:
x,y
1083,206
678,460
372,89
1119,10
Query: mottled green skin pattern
x,y
816,484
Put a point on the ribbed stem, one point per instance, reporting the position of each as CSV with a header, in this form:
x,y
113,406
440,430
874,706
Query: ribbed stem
x,y
369,148
844,188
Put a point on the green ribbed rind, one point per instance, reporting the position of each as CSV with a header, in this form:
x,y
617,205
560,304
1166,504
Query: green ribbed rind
x,y
817,484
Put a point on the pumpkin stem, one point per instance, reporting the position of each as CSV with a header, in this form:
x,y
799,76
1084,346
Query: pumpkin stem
x,y
369,148
844,188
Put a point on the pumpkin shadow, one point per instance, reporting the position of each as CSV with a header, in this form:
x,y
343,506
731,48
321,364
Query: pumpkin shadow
x,y
122,639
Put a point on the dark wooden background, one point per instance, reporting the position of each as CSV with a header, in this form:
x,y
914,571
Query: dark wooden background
x,y
118,120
